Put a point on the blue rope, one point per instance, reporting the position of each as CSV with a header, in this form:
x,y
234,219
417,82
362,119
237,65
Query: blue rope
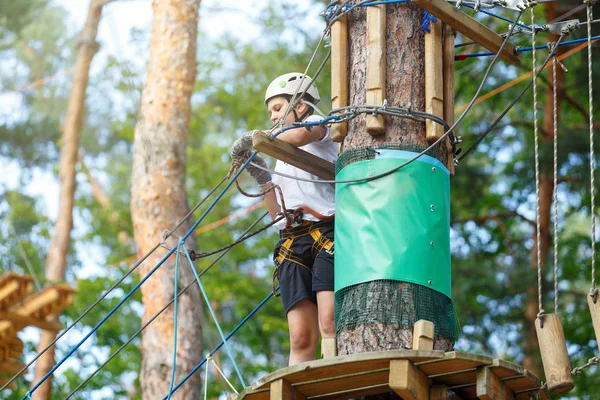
x,y
500,17
428,18
233,332
329,12
214,316
175,289
523,49
136,287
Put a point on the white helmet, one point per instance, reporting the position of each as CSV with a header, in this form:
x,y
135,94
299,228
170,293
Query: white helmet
x,y
287,84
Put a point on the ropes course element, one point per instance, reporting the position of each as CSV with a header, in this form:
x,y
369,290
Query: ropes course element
x,y
593,289
555,176
175,309
114,286
537,174
189,285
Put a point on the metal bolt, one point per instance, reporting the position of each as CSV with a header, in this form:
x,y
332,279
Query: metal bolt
x,y
432,207
429,281
433,169
431,244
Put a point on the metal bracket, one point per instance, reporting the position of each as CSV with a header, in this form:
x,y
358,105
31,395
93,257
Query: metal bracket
x,y
560,27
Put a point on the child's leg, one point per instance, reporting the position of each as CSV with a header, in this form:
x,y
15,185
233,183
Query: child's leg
x,y
325,307
304,331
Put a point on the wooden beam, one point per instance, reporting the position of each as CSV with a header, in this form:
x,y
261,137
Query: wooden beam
x,y
469,27
555,358
595,311
423,335
282,390
292,155
20,321
328,347
408,381
434,81
339,74
376,66
489,386
448,55
439,393
13,287
7,329
48,301
11,367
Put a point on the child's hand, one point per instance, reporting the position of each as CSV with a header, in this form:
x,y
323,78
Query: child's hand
x,y
242,147
261,176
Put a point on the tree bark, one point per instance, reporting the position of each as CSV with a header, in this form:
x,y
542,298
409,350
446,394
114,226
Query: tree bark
x,y
405,87
158,196
56,260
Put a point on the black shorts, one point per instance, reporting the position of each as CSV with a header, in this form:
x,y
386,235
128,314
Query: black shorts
x,y
304,262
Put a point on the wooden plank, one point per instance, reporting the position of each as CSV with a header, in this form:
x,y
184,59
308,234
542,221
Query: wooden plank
x,y
352,382
282,390
595,311
454,361
7,329
355,393
376,66
292,155
408,381
13,287
555,358
448,56
455,378
490,387
423,335
11,367
438,393
469,27
329,347
339,74
343,365
434,81
21,321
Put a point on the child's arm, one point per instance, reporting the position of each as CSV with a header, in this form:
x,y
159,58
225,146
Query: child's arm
x,y
301,136
271,200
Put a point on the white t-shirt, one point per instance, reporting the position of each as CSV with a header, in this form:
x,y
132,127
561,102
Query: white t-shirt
x,y
318,196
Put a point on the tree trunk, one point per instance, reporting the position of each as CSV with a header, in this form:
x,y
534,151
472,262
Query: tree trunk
x,y
531,360
158,196
56,260
405,87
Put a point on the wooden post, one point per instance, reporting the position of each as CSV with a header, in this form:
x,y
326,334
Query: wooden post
x,y
438,393
292,155
470,28
423,335
339,74
376,66
448,56
434,85
555,358
328,347
282,390
595,311
489,386
408,381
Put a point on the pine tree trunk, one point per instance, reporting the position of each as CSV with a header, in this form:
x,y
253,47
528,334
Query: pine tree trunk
x,y
56,260
159,197
405,88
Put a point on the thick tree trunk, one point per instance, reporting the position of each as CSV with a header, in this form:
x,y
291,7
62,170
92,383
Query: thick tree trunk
x,y
531,360
405,88
158,196
56,260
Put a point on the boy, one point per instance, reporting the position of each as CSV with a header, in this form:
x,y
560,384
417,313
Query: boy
x,y
304,254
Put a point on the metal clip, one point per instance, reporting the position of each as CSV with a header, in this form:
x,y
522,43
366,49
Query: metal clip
x,y
562,27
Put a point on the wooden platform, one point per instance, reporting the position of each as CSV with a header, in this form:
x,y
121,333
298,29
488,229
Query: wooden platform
x,y
414,374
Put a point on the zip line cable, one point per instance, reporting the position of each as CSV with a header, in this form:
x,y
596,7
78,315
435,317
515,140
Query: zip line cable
x,y
137,264
181,292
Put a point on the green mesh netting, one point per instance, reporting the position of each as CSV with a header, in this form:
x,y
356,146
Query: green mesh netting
x,y
394,303
368,153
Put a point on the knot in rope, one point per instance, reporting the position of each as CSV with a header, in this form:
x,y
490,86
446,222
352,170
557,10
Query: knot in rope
x,y
594,294
427,20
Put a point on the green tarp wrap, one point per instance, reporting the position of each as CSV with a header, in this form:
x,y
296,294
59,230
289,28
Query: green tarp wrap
x,y
396,227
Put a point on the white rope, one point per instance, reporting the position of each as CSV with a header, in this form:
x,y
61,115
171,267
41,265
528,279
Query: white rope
x,y
555,171
537,172
589,4
206,368
222,374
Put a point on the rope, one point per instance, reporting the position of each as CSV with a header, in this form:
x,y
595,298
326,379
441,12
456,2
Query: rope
x,y
537,175
233,332
175,302
193,282
589,4
137,264
214,317
205,381
555,173
591,361
221,373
